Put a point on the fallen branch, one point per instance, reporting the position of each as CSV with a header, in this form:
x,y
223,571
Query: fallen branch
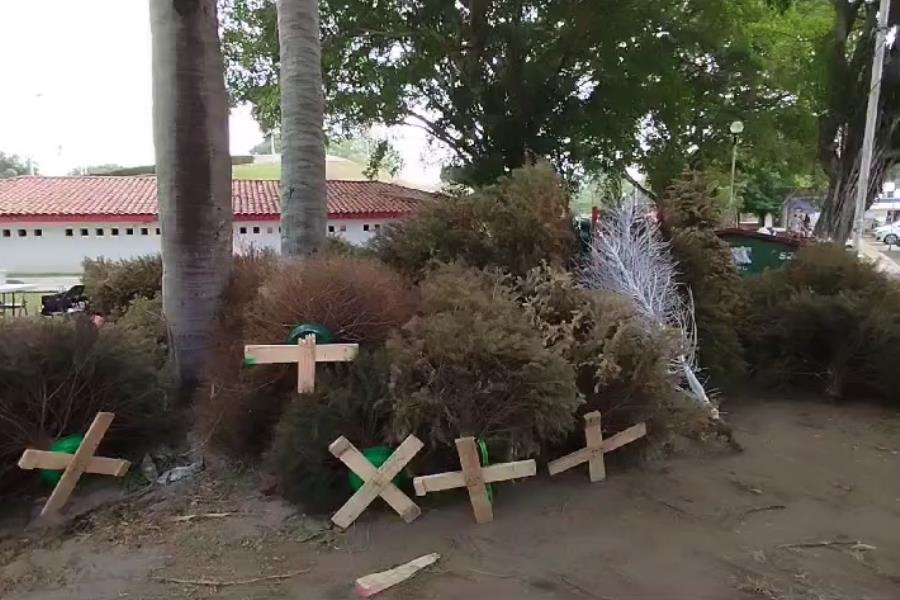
x,y
857,545
187,518
757,509
227,583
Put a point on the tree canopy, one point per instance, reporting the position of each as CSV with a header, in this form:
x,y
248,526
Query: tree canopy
x,y
590,85
12,165
102,169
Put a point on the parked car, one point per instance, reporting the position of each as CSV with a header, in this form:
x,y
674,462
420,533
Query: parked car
x,y
72,300
889,234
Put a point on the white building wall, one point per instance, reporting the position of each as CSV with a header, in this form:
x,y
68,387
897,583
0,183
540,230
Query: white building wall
x,y
29,247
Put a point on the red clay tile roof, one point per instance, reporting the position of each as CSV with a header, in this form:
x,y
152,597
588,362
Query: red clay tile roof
x,y
92,197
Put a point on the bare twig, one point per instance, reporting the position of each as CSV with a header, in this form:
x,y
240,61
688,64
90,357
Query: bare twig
x,y
638,185
757,509
857,545
187,518
489,574
227,583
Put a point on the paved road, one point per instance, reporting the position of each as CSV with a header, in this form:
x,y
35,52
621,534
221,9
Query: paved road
x,y
892,252
887,260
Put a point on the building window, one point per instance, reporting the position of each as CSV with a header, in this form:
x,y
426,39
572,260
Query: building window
x,y
279,230
145,231
129,231
331,229
256,230
269,230
377,226
70,232
158,232
365,227
38,233
99,232
242,230
22,233
343,228
84,233
114,231
7,233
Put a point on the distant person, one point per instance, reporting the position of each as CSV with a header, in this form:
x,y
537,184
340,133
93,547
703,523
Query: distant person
x,y
796,224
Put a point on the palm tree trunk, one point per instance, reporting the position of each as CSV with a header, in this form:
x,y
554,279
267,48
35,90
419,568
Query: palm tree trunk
x,y
193,167
304,212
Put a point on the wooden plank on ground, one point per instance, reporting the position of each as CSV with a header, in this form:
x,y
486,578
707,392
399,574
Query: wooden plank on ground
x,y
80,460
378,582
336,352
627,436
58,461
306,364
440,482
474,480
376,482
593,436
593,452
270,354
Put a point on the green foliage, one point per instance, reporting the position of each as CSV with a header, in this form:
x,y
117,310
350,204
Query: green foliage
x,y
764,191
265,146
337,246
103,169
56,374
621,370
350,400
472,363
826,321
12,165
139,170
111,285
377,155
690,215
514,224
587,85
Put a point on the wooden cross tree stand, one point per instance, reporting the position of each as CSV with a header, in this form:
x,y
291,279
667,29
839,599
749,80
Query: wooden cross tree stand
x,y
474,478
376,482
306,353
74,465
596,447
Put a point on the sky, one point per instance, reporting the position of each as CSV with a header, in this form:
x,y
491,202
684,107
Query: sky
x,y
75,89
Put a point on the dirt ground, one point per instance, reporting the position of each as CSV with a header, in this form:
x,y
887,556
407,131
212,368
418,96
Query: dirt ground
x,y
696,526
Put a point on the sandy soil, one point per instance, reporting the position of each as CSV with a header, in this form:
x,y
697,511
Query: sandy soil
x,y
695,526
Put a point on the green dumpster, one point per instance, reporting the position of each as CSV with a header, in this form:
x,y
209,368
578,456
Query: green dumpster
x,y
755,252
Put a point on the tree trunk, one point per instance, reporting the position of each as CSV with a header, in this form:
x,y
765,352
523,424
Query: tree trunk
x,y
839,209
842,125
193,167
304,211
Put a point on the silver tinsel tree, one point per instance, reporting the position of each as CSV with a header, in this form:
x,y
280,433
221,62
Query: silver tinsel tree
x,y
629,257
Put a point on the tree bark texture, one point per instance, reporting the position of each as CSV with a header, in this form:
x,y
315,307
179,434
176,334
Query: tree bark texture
x,y
304,211
193,167
842,125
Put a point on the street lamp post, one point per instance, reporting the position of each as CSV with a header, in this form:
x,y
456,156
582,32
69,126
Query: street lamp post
x,y
737,128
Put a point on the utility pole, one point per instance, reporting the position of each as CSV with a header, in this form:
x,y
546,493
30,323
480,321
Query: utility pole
x,y
865,164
